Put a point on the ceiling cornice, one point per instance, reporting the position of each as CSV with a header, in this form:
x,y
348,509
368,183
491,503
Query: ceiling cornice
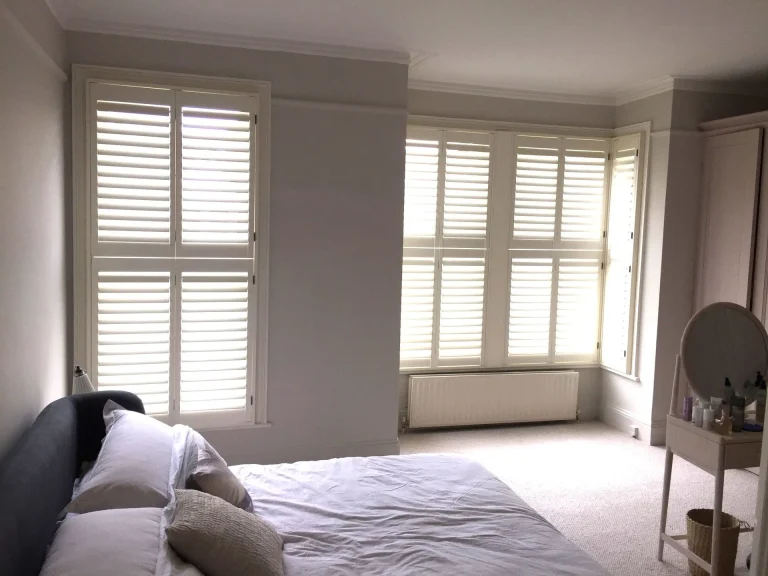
x,y
691,84
645,90
498,92
236,41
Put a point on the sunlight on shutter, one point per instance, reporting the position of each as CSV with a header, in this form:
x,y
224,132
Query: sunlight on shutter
x,y
214,341
530,304
421,181
133,333
467,168
417,311
583,192
536,175
215,191
578,284
617,297
133,166
461,307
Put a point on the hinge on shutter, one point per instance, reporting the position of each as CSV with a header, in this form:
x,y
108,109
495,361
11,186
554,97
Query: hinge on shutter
x,y
604,233
609,155
175,281
598,345
637,153
251,399
254,236
625,353
253,279
175,235
631,235
602,265
630,268
255,118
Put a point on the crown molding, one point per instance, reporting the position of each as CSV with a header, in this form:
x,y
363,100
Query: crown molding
x,y
42,55
499,92
691,84
238,41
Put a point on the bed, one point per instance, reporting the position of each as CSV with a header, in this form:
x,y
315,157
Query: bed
x,y
419,514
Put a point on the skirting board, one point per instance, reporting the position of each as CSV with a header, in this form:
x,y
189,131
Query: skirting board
x,y
621,419
302,453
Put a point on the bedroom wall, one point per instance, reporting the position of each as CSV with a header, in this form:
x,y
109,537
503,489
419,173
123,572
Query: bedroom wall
x,y
34,227
449,105
336,213
669,250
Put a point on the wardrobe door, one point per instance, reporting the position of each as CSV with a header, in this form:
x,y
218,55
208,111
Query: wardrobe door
x,y
727,221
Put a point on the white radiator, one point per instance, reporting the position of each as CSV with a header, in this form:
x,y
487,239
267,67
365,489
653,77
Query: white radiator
x,y
474,399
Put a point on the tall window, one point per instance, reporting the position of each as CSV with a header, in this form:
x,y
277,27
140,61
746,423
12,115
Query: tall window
x,y
562,213
172,253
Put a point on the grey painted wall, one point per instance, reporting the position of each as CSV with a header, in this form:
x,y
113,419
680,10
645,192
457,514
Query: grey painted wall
x,y
336,222
34,230
465,106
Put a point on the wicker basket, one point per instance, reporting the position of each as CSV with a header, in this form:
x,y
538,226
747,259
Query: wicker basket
x,y
699,523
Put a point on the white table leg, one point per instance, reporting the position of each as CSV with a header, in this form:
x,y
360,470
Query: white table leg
x,y
665,501
716,520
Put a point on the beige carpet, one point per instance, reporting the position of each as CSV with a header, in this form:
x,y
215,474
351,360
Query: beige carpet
x,y
600,488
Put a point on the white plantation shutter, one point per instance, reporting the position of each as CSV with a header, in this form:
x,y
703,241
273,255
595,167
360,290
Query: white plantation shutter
x,y
422,151
173,197
578,308
132,168
537,171
621,249
133,327
583,194
214,341
530,308
447,184
462,307
467,172
216,178
417,309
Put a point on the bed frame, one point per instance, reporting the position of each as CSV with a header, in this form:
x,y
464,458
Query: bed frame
x,y
37,475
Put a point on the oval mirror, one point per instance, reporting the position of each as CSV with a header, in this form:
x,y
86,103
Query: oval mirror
x,y
724,340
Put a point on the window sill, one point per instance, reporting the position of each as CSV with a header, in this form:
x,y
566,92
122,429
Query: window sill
x,y
621,374
510,368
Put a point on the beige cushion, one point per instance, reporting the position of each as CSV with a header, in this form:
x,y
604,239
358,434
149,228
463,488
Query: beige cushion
x,y
222,540
209,473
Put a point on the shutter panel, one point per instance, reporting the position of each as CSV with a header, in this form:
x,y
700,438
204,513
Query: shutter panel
x,y
421,181
216,142
536,181
133,335
618,301
578,283
462,300
132,165
417,310
467,171
530,305
583,195
214,341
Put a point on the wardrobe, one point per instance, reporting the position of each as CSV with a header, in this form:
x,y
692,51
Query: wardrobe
x,y
733,214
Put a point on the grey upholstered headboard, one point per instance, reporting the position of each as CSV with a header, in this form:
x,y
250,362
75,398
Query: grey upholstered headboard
x,y
37,475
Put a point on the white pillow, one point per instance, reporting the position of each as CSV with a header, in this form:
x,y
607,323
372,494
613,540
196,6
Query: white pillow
x,y
138,465
208,472
115,542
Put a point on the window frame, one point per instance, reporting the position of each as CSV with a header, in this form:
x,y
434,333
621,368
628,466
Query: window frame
x,y
494,353
84,221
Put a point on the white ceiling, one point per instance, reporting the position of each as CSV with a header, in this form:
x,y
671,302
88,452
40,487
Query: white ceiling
x,y
572,47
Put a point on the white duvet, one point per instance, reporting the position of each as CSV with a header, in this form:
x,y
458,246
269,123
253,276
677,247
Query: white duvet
x,y
397,515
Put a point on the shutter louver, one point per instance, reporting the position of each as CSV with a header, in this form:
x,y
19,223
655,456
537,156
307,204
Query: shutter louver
x,y
462,299
583,192
620,254
467,170
133,172
216,176
418,299
536,176
421,181
214,341
133,334
578,283
530,305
